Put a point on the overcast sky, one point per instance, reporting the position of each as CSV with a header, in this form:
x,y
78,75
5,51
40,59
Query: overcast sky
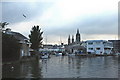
x,y
96,19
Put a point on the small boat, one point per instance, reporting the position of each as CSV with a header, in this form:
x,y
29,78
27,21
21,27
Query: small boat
x,y
118,54
44,57
58,54
71,54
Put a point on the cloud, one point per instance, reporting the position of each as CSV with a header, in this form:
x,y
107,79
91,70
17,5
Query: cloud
x,y
12,12
61,18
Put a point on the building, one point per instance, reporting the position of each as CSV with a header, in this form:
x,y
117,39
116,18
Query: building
x,y
74,46
23,41
116,45
98,47
77,41
78,37
53,48
48,46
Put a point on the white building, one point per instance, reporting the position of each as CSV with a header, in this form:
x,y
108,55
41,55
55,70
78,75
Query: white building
x,y
99,47
54,48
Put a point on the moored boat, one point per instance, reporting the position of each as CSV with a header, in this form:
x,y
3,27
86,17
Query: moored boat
x,y
117,54
58,54
44,57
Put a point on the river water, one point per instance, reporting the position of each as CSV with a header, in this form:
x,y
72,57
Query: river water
x,y
64,67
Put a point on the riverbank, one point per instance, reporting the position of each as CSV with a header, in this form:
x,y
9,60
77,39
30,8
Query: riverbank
x,y
95,55
27,59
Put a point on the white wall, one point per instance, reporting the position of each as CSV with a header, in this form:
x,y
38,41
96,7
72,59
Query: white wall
x,y
98,47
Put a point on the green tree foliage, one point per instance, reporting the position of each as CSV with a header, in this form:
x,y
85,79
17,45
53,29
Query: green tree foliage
x,y
36,37
10,48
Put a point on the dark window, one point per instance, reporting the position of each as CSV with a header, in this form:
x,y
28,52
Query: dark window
x,y
97,48
90,43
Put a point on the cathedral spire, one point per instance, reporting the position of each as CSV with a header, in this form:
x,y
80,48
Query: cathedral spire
x,y
69,40
77,31
77,36
72,39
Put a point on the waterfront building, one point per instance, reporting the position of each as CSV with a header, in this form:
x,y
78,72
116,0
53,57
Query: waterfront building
x,y
53,48
72,39
69,40
77,41
116,45
78,36
23,41
75,46
98,47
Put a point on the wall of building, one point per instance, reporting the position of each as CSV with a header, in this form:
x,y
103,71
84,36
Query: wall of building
x,y
99,47
116,45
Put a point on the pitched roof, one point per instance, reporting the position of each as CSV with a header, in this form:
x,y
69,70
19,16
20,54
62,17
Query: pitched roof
x,y
17,35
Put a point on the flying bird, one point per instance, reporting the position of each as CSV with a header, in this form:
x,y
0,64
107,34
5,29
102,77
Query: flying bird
x,y
24,16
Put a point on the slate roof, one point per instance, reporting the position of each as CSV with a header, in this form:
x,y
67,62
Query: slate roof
x,y
17,35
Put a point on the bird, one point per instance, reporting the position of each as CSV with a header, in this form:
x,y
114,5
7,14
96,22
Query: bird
x,y
24,16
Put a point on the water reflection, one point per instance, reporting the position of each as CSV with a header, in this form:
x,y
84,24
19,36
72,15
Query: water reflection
x,y
81,67
30,69
64,67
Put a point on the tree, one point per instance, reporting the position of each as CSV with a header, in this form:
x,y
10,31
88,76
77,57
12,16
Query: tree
x,y
36,37
3,24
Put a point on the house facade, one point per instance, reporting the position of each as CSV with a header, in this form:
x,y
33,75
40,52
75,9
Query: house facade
x,y
23,42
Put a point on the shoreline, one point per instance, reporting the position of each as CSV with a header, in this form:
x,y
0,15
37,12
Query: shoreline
x,y
27,59
95,55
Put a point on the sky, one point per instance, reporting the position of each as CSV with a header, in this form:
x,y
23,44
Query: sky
x,y
95,19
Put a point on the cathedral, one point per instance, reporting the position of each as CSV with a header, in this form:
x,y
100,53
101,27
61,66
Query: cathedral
x,y
74,46
77,41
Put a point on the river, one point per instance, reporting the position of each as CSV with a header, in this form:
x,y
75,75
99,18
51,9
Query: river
x,y
64,67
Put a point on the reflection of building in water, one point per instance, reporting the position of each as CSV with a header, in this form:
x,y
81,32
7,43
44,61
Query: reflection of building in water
x,y
30,69
75,46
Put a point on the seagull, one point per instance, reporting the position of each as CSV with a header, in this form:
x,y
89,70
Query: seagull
x,y
24,16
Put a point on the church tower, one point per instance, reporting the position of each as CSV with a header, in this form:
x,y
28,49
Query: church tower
x,y
72,39
77,36
69,40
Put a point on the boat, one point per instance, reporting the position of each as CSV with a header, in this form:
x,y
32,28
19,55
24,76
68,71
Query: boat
x,y
58,54
118,54
71,54
44,57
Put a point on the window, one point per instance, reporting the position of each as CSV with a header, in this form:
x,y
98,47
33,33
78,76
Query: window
x,y
90,48
98,42
97,48
90,43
